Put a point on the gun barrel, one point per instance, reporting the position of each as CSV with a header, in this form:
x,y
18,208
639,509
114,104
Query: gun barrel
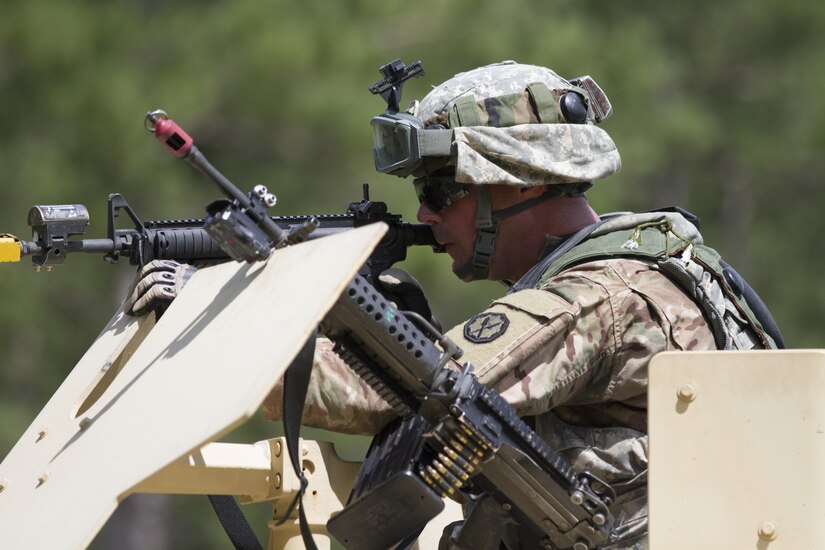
x,y
92,245
400,347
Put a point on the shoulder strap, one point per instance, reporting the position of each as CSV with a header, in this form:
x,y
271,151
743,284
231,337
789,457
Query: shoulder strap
x,y
531,278
644,242
760,310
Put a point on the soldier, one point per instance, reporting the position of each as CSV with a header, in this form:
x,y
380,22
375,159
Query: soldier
x,y
591,299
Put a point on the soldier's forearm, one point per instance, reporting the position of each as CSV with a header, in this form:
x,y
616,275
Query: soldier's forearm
x,y
337,399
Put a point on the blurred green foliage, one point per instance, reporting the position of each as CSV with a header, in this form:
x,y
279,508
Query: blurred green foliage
x,y
717,108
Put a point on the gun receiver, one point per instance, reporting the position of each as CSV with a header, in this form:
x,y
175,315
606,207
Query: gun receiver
x,y
455,436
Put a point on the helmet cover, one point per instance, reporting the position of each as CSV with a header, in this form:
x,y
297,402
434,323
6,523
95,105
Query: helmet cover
x,y
509,131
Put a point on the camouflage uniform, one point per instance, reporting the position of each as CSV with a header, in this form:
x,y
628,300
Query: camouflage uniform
x,y
573,353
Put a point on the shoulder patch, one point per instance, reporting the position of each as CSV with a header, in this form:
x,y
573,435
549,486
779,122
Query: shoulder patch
x,y
485,327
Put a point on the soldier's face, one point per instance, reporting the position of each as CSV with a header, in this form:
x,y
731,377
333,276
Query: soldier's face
x,y
454,227
518,242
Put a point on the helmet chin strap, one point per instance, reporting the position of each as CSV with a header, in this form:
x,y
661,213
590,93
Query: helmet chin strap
x,y
487,222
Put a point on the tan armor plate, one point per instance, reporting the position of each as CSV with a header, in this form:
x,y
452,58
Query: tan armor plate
x,y
737,442
142,397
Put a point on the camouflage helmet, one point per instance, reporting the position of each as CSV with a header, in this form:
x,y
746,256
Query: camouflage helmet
x,y
505,95
520,125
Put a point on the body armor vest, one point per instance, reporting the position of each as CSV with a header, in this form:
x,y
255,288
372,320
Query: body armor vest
x,y
667,239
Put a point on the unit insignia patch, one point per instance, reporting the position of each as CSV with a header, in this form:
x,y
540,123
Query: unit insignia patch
x,y
485,327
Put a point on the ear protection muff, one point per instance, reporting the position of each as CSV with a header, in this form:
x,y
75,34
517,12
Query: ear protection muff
x,y
573,108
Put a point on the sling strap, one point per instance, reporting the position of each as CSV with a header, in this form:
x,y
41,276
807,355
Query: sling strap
x,y
296,382
235,524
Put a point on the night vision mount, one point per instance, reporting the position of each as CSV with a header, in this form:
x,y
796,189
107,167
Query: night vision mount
x,y
395,74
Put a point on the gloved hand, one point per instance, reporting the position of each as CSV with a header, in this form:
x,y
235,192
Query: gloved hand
x,y
157,284
407,293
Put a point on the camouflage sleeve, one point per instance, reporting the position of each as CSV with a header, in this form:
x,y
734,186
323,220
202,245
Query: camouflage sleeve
x,y
584,338
337,399
541,347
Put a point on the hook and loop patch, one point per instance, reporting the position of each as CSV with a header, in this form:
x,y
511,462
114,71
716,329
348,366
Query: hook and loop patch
x,y
486,327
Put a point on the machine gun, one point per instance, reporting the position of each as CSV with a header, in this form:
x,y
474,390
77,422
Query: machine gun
x,y
236,228
456,438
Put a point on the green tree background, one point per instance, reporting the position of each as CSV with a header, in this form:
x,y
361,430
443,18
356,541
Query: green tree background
x,y
718,108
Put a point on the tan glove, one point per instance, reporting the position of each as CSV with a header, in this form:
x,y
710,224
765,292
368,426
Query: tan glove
x,y
156,285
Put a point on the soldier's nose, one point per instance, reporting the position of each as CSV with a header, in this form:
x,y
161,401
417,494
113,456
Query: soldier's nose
x,y
426,215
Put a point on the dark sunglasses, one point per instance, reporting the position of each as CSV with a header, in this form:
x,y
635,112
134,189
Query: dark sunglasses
x,y
439,192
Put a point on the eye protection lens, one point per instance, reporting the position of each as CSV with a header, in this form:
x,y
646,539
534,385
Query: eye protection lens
x,y
400,143
437,193
395,139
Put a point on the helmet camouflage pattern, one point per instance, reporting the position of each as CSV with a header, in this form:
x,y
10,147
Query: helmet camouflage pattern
x,y
506,78
522,125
